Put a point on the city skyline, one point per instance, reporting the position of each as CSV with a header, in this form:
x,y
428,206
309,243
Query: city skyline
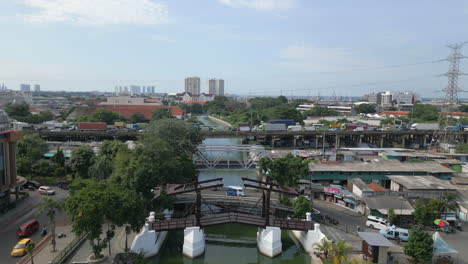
x,y
262,47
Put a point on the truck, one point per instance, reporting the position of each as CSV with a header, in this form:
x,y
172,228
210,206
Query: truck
x,y
132,126
274,127
460,127
353,126
119,124
287,122
96,126
244,127
425,126
295,128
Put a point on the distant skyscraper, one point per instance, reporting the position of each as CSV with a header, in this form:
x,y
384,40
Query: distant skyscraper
x,y
215,86
25,87
37,88
192,85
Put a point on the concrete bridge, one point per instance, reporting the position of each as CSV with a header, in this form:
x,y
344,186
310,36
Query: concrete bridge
x,y
298,139
228,156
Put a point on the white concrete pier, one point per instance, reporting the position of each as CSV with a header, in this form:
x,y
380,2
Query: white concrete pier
x,y
269,241
148,241
194,242
308,238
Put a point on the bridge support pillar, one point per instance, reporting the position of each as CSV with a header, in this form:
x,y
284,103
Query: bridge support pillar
x,y
308,238
269,241
194,242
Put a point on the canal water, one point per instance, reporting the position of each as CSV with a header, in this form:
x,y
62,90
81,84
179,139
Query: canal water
x,y
232,243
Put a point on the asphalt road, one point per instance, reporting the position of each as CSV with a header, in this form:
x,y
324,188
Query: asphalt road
x,y
343,215
26,210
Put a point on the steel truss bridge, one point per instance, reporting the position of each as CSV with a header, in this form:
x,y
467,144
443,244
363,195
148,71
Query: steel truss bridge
x,y
229,156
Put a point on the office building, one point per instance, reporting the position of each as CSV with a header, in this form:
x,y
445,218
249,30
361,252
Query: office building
x,y
25,87
404,98
192,85
386,99
8,177
37,88
215,86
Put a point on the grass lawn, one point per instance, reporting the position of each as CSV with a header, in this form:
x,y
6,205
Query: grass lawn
x,y
326,261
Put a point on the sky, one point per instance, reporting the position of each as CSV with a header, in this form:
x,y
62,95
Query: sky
x,y
259,47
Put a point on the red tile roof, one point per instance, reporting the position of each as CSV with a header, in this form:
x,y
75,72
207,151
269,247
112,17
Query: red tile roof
x,y
92,125
194,102
128,110
376,188
395,113
32,110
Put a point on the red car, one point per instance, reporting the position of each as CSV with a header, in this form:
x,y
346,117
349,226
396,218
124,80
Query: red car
x,y
27,228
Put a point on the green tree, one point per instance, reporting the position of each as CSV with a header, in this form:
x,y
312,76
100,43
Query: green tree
x,y
95,203
461,148
161,113
30,150
392,217
321,111
286,170
419,246
420,212
365,109
30,250
182,137
59,158
424,113
324,246
17,110
81,160
101,168
50,207
463,108
137,118
301,206
340,251
110,148
106,116
284,111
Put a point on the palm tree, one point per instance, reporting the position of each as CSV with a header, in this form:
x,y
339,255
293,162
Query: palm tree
x,y
30,249
50,206
340,251
324,246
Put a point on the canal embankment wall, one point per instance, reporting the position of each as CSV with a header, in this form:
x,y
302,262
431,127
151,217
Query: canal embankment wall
x,y
215,119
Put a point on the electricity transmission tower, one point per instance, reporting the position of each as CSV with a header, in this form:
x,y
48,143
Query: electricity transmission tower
x,y
451,95
452,89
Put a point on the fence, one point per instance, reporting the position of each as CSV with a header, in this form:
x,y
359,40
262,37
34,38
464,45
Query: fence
x,y
62,256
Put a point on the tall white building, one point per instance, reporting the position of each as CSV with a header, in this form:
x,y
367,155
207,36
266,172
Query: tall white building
x,y
37,88
215,86
192,85
25,87
386,99
404,97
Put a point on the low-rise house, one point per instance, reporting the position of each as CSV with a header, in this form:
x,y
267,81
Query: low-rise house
x,y
427,187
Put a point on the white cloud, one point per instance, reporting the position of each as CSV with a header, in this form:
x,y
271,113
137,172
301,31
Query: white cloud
x,y
314,58
260,4
97,12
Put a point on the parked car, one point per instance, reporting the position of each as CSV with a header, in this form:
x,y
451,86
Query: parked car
x,y
396,233
376,222
46,190
32,184
235,191
63,185
27,228
20,248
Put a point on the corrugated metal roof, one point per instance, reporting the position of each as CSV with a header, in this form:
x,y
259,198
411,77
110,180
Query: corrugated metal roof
x,y
375,239
422,182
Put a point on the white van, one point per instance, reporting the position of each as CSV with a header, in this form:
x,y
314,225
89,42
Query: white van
x,y
235,191
395,233
376,222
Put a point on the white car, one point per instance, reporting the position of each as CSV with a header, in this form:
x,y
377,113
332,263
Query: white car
x,y
46,190
375,222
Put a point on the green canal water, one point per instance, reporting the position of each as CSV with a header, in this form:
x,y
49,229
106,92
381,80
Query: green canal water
x,y
232,243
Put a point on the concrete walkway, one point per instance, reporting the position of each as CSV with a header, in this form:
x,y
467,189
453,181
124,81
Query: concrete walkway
x,y
117,246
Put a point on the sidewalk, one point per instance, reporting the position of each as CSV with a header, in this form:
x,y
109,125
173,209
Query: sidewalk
x,y
117,246
45,254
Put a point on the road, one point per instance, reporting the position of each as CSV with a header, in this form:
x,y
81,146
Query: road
x,y
25,211
345,216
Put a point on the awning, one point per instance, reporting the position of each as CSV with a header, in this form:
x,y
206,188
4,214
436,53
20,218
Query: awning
x,y
349,201
337,196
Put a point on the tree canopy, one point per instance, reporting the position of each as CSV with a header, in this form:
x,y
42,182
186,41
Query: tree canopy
x,y
81,160
365,109
30,150
137,118
286,170
419,246
424,113
301,206
161,113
